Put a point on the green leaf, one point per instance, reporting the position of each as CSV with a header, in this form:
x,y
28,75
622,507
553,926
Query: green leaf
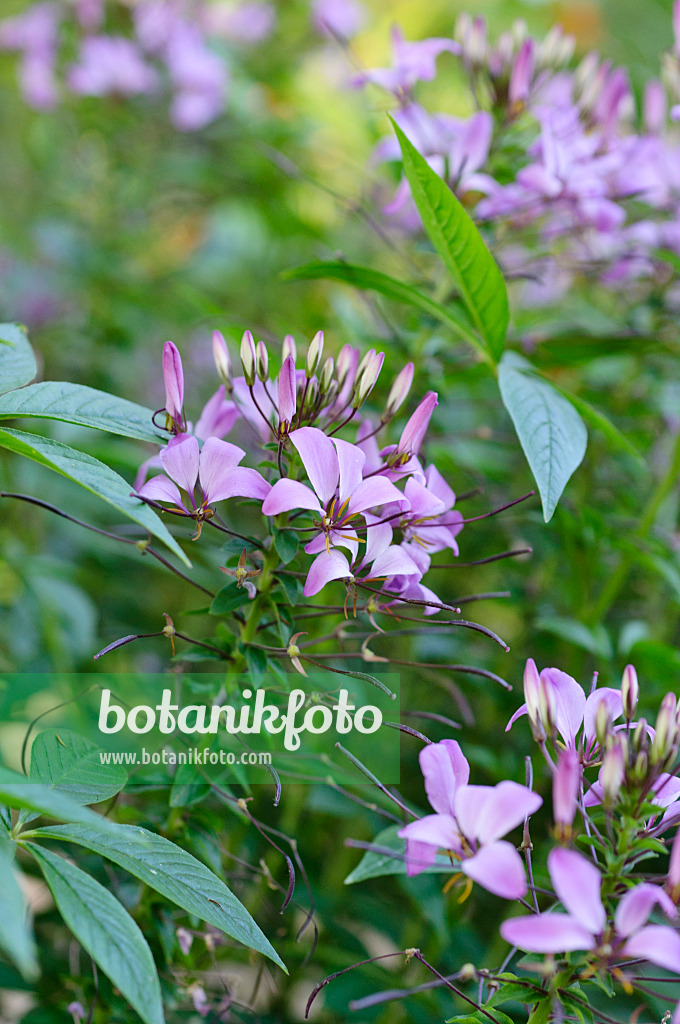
x,y
516,991
286,543
172,872
375,865
458,242
228,599
75,403
374,280
17,362
551,432
15,934
70,763
291,587
595,639
17,791
106,931
91,474
480,1018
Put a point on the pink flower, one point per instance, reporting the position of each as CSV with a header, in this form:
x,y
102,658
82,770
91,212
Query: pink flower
x,y
111,65
469,822
584,927
412,62
215,467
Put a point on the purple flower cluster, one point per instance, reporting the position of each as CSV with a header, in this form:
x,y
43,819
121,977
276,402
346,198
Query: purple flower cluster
x,y
608,904
168,47
596,187
376,514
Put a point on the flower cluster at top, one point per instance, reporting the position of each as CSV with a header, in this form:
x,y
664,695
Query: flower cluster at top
x,y
569,175
596,872
369,515
153,46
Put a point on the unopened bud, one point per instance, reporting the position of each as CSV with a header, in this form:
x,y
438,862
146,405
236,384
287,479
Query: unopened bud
x,y
640,739
531,690
603,723
547,705
262,361
366,380
641,766
613,771
398,393
347,362
314,354
222,359
326,375
666,730
288,348
248,357
629,691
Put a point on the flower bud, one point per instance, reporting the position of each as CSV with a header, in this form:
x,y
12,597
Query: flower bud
x,y
531,690
262,361
366,380
314,354
640,737
348,358
522,74
641,766
248,358
222,359
566,782
603,723
288,348
613,770
629,691
326,375
173,378
287,396
414,432
666,727
547,705
398,393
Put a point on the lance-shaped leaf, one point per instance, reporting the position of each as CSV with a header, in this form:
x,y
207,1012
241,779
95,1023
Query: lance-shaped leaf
x,y
17,362
174,873
75,403
552,434
461,247
389,858
16,938
71,764
106,931
91,474
19,791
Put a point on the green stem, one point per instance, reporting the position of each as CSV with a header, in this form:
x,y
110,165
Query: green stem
x,y
616,581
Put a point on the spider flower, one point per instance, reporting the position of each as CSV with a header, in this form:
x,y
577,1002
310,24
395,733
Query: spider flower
x,y
469,822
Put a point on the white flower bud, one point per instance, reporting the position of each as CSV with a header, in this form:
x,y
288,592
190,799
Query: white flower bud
x,y
248,357
314,354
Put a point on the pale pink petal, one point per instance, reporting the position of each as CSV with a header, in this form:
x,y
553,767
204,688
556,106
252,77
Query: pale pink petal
x,y
518,714
422,501
319,459
547,933
635,907
439,830
287,495
217,461
351,461
240,482
498,868
666,790
570,700
394,561
469,803
324,568
287,391
577,883
218,416
378,538
606,695
161,488
507,807
419,856
444,769
657,943
439,487
180,462
375,491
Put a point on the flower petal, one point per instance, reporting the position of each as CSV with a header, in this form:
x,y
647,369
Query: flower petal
x,y
319,459
498,868
180,462
173,378
216,463
439,830
324,568
374,491
657,943
518,714
635,907
217,418
394,561
351,461
419,856
577,884
547,933
287,495
606,695
444,768
469,803
506,808
240,482
161,488
570,700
